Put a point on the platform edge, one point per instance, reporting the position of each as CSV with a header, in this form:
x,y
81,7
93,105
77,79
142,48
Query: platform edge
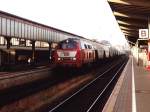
x,y
110,104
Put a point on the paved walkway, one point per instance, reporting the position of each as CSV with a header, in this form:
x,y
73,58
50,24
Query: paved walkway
x,y
132,91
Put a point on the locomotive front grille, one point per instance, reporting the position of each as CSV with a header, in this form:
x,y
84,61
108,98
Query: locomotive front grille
x,y
66,59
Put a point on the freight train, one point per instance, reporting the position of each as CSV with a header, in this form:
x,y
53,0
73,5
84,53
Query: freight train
x,y
74,52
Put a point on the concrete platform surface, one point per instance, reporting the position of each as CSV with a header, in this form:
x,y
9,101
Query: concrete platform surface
x,y
132,91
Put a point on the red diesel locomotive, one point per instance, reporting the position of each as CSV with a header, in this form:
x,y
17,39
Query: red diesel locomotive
x,y
75,52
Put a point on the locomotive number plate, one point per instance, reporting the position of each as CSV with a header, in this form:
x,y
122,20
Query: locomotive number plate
x,y
66,53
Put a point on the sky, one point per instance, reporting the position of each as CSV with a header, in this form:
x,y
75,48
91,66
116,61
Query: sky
x,y
91,19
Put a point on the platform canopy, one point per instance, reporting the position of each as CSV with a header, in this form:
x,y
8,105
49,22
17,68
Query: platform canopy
x,y
131,16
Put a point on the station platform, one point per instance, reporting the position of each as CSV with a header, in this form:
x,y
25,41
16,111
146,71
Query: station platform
x,y
132,91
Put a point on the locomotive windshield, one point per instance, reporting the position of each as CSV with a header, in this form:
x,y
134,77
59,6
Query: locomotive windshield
x,y
68,44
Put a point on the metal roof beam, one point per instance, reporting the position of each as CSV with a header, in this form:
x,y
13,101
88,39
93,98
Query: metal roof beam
x,y
132,2
126,28
132,20
131,24
131,27
129,30
130,36
126,15
130,33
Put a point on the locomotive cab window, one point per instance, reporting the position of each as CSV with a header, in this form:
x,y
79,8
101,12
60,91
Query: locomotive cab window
x,y
68,44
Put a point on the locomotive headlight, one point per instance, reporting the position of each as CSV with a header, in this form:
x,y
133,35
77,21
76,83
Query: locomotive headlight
x,y
58,59
74,58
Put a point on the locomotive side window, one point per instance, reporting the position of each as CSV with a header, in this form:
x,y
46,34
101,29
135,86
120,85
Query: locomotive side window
x,y
85,46
89,47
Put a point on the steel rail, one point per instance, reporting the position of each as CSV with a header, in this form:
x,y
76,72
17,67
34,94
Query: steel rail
x,y
85,86
14,75
89,109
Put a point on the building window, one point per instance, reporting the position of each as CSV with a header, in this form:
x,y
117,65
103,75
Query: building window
x,y
28,43
2,41
15,41
37,44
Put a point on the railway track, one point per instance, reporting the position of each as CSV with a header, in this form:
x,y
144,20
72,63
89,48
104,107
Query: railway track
x,y
14,79
92,96
8,75
15,94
